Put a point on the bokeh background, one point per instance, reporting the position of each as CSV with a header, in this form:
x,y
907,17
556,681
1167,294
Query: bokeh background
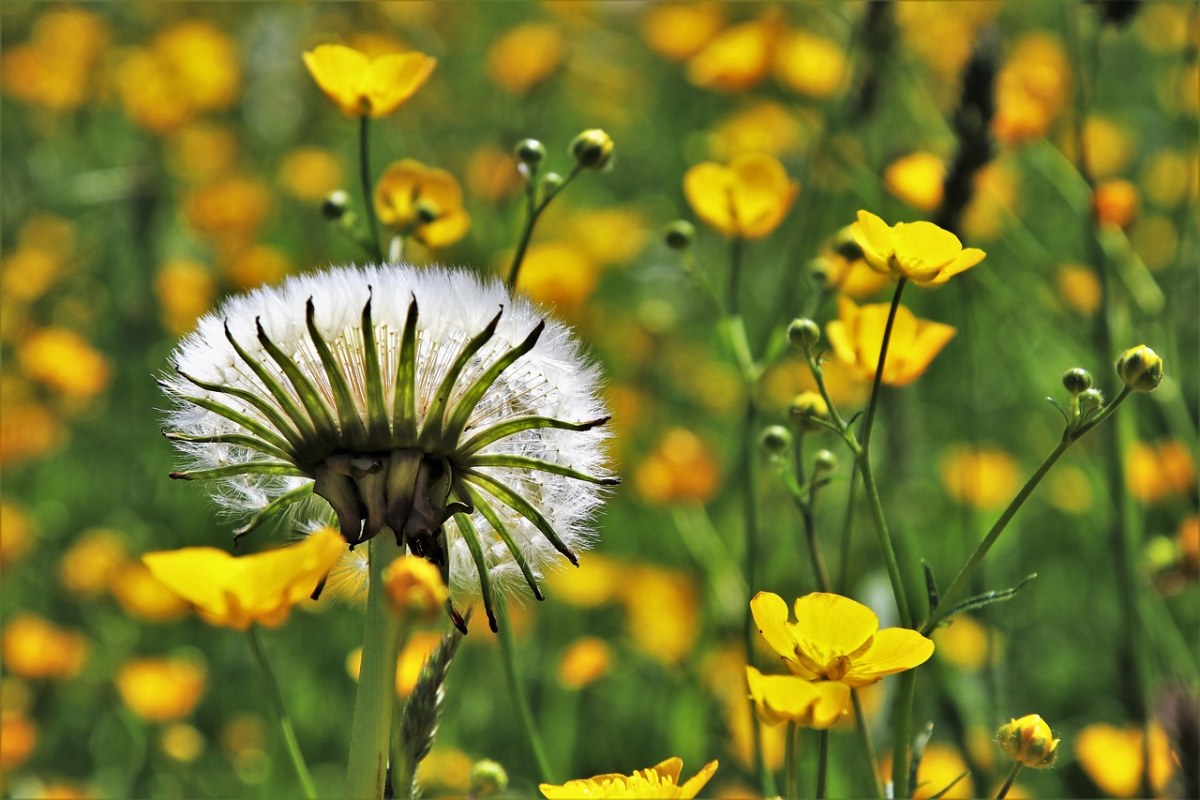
x,y
159,156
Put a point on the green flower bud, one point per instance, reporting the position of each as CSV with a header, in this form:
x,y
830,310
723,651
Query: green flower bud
x,y
679,234
1077,380
776,440
530,152
819,270
1140,368
806,408
824,461
552,182
803,333
335,205
592,149
1090,400
487,778
845,245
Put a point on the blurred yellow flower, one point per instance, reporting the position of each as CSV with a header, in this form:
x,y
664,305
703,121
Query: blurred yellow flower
x,y
235,206
598,580
408,665
181,742
1112,758
585,661
917,180
994,202
966,643
679,30
661,780
364,86
1155,239
185,290
1079,288
27,430
765,127
202,151
982,477
1157,471
748,198
56,67
65,362
310,173
45,243
1031,88
559,275
251,266
1108,147
809,64
920,251
525,56
34,647
737,58
161,689
857,336
492,174
1167,177
238,591
91,562
1029,741
1116,203
416,589
423,202
609,235
143,596
940,765
16,533
18,737
444,771
941,40
681,470
835,638
662,611
788,698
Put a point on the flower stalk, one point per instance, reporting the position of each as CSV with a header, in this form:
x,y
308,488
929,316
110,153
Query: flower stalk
x,y
364,172
279,712
1010,780
508,655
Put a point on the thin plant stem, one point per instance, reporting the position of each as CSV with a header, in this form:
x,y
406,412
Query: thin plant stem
x,y
375,703
822,762
902,726
534,206
364,170
961,581
847,534
865,743
508,654
791,780
1010,780
736,248
807,513
275,701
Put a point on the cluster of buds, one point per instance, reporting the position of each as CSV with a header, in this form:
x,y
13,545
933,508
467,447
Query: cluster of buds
x,y
591,149
1139,368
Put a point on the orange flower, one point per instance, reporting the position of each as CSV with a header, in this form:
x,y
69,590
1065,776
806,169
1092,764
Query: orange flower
x,y
65,362
161,689
917,180
749,198
679,30
857,336
36,648
737,58
979,477
424,202
1116,203
525,56
1155,472
681,470
363,86
585,661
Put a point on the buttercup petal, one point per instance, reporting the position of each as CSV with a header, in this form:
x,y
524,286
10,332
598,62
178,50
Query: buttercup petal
x,y
708,188
924,248
924,346
341,73
762,193
829,626
892,650
963,262
395,78
694,784
770,614
668,769
445,230
875,238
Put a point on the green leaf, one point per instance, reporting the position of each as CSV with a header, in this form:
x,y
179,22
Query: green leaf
x,y
272,508
236,439
931,586
404,404
282,396
238,418
266,409
988,598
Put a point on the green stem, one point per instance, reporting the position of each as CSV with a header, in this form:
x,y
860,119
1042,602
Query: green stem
x,y
508,653
364,169
902,726
873,403
864,742
533,209
736,247
791,780
806,506
1010,780
847,534
275,701
375,703
964,575
822,762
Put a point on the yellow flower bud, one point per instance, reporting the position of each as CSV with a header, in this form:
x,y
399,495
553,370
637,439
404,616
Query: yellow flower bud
x,y
808,407
592,149
1028,740
487,778
1140,368
416,589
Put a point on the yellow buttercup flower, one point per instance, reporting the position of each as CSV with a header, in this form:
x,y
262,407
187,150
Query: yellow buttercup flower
x,y
525,56
679,30
424,202
748,198
809,64
235,592
1113,758
364,86
982,477
917,179
585,661
835,638
661,780
857,336
1028,740
161,689
788,698
416,589
34,647
920,251
737,58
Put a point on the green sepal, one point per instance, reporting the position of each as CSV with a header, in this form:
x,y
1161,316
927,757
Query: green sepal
x,y
987,598
248,468
536,464
266,409
299,418
377,420
351,423
461,413
404,403
432,429
523,507
271,508
502,430
237,418
236,439
489,513
471,537
318,412
931,587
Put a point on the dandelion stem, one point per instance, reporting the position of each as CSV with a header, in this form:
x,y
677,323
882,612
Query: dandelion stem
x,y
376,700
791,781
822,762
275,701
508,654
1010,780
364,167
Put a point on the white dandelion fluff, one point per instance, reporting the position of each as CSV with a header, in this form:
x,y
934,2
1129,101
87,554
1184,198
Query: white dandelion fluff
x,y
427,402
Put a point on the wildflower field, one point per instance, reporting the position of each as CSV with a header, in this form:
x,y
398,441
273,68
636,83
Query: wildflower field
x,y
600,399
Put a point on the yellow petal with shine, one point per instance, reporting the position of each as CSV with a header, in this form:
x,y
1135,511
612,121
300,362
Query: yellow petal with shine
x,y
770,614
341,73
694,784
832,703
875,238
668,769
925,248
929,340
708,188
762,193
829,626
396,192
892,650
394,78
963,262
